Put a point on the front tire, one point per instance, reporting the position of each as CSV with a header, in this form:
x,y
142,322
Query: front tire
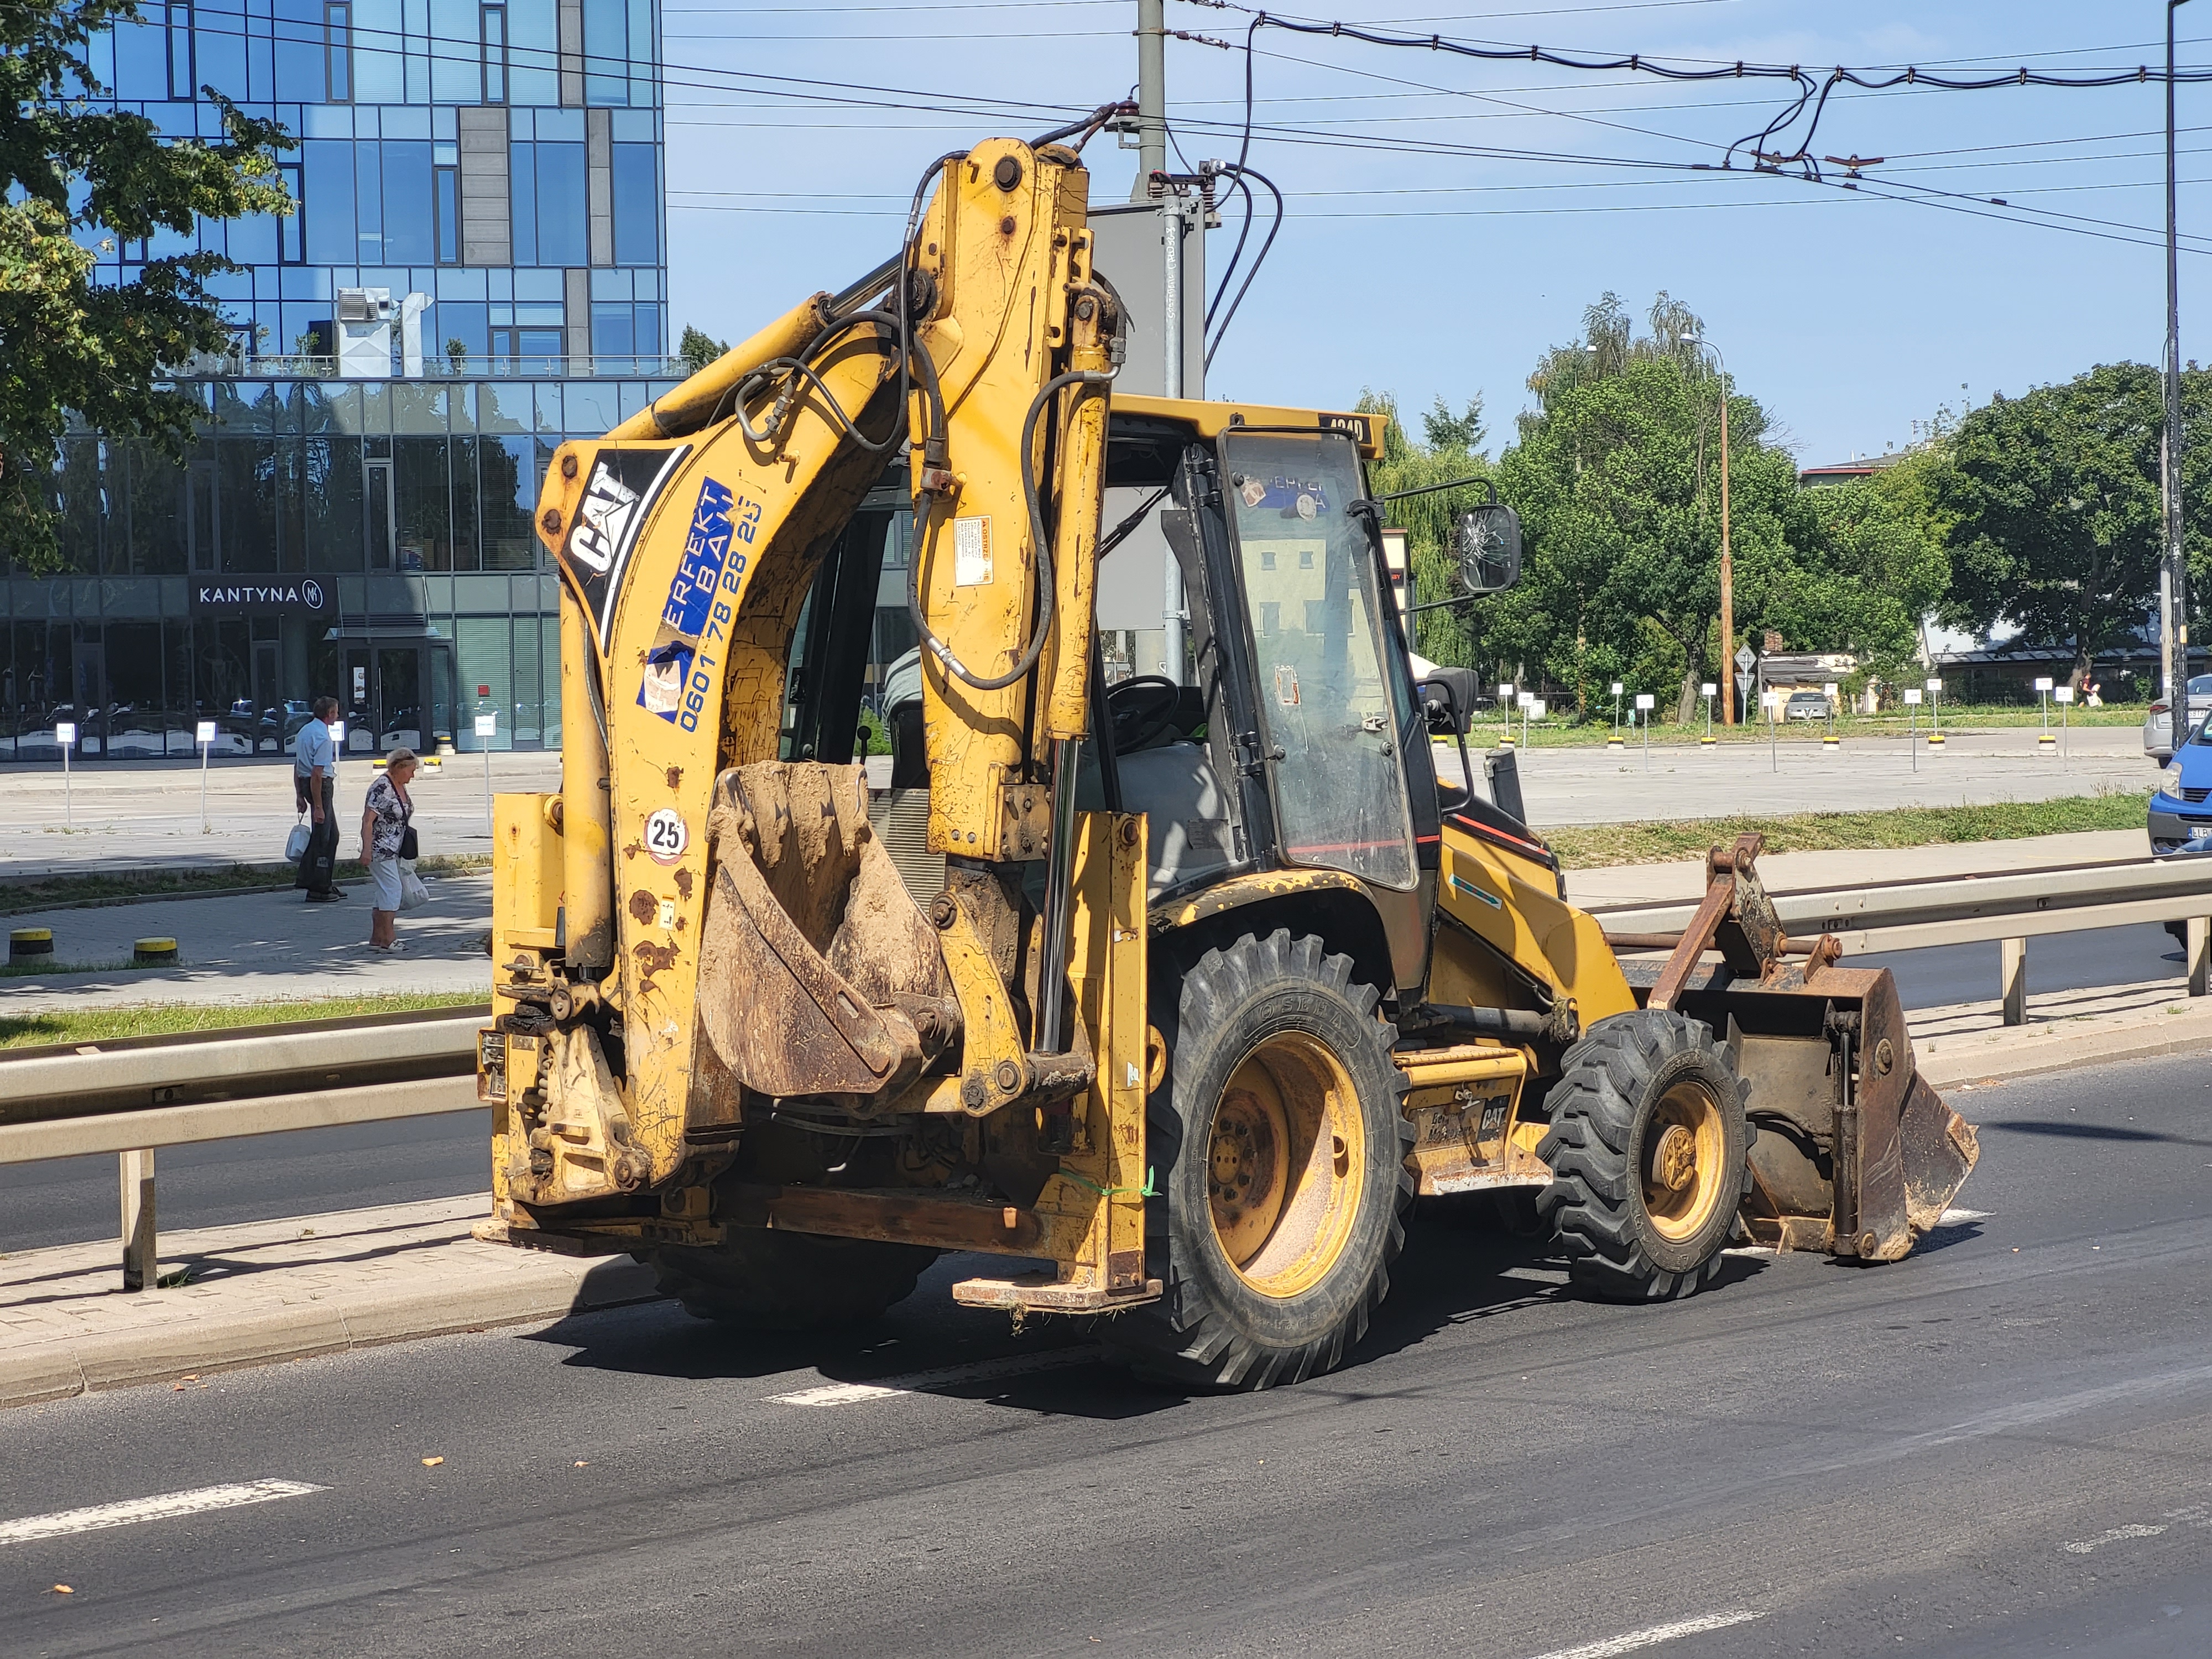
x,y
1280,1147
1649,1152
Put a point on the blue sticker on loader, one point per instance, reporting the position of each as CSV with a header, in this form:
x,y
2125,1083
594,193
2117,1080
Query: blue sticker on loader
x,y
705,548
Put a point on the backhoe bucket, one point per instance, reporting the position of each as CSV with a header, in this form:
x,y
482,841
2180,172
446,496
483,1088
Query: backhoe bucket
x,y
817,974
1855,1154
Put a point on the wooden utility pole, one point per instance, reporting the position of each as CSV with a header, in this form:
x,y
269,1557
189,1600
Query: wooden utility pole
x,y
1727,573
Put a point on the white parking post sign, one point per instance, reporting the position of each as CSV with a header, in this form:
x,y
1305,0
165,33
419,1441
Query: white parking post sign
x,y
1644,704
203,734
487,729
65,735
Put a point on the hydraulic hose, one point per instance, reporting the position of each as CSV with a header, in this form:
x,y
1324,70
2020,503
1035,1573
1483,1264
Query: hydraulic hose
x,y
1042,631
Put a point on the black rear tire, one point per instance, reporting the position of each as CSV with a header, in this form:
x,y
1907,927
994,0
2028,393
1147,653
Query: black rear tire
x,y
1649,1149
761,1280
1278,1147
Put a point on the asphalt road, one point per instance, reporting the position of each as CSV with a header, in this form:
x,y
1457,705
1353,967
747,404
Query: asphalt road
x,y
2000,1446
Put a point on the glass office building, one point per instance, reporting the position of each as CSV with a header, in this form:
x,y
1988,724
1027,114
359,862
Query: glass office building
x,y
477,271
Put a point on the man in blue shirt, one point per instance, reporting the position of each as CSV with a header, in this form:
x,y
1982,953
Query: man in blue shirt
x,y
314,778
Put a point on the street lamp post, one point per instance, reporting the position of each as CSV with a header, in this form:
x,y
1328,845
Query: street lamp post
x,y
1728,564
2173,591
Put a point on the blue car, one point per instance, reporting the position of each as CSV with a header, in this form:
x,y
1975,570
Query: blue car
x,y
2181,810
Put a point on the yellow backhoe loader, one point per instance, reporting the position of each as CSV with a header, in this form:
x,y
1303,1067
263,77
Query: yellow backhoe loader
x,y
1173,996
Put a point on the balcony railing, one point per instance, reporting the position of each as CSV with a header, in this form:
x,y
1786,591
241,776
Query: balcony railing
x,y
606,366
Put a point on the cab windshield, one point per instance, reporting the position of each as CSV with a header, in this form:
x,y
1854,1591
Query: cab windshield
x,y
1330,703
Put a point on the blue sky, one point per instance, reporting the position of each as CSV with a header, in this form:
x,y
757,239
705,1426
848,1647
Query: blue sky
x,y
1851,315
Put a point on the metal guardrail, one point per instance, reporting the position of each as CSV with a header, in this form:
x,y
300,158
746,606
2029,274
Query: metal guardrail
x,y
233,1065
2010,908
132,1097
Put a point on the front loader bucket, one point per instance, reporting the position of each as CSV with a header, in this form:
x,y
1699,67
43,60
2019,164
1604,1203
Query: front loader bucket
x,y
1855,1154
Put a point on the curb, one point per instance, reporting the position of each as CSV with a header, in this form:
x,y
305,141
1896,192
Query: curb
x,y
89,1365
2063,1045
355,878
331,1324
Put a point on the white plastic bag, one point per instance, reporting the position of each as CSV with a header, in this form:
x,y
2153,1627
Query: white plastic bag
x,y
413,895
295,844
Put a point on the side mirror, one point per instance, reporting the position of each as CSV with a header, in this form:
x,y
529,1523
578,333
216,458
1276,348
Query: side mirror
x,y
1447,701
1488,548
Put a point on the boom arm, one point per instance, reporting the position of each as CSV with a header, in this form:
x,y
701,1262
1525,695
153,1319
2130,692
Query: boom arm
x,y
739,937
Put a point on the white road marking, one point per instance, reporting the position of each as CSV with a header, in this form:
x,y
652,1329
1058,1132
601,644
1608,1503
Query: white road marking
x,y
986,1371
1954,1218
2088,1546
1652,1637
166,1506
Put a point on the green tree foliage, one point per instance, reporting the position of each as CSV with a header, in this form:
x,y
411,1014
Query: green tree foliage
x,y
2054,503
1616,479
697,348
76,176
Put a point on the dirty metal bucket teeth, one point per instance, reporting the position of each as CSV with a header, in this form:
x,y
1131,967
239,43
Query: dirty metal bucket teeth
x,y
817,977
1855,1154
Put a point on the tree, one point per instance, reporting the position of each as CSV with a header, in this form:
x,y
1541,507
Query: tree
x,y
1458,434
75,178
1617,480
697,349
2054,498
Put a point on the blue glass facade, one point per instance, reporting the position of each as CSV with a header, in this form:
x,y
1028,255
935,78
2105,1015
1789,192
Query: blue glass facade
x,y
369,537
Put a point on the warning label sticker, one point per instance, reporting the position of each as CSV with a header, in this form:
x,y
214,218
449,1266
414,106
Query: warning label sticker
x,y
972,552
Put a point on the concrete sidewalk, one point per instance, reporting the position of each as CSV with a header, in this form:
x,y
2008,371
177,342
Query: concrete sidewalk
x,y
273,1290
262,947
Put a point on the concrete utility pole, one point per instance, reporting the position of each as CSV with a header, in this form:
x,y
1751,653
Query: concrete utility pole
x,y
1728,563
1153,157
2173,591
1152,95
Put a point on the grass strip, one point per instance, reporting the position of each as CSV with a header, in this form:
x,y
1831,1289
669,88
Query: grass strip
x,y
1589,846
47,892
1561,729
168,1020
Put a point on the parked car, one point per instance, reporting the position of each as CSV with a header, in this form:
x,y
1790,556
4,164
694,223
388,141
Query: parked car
x,y
2181,810
2158,724
280,725
1808,706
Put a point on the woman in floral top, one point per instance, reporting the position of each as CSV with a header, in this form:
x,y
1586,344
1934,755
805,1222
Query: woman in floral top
x,y
383,829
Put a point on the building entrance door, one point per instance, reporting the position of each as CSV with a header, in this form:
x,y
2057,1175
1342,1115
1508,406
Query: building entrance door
x,y
400,685
387,687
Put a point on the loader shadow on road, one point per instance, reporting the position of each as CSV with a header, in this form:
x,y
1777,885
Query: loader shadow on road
x,y
1459,1265
2070,1129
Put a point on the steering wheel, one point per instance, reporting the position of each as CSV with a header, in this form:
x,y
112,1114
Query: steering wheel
x,y
1140,708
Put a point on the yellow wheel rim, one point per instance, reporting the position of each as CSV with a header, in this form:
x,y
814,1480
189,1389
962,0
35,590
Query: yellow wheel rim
x,y
1285,1164
1682,1162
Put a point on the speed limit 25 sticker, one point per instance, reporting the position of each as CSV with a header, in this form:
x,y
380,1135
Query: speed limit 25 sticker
x,y
666,836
